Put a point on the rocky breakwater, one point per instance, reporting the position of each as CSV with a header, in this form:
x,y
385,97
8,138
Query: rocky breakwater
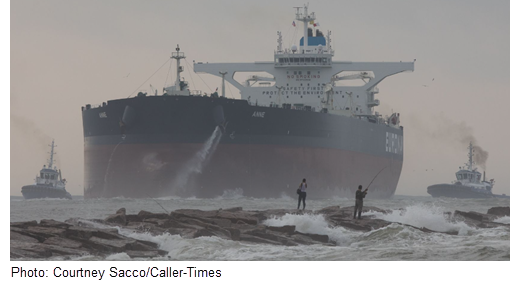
x,y
50,239
480,220
30,240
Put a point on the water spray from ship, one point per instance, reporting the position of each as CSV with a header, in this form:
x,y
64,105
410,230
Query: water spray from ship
x,y
196,164
105,184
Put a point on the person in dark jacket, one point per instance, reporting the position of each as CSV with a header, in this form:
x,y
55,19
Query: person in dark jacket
x,y
359,201
302,193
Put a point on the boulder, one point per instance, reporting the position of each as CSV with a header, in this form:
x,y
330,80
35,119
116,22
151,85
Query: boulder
x,y
63,242
24,224
499,211
469,215
255,239
118,218
52,239
53,223
289,230
316,237
235,234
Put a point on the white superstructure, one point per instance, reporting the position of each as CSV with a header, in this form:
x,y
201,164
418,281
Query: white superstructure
x,y
307,77
51,176
470,177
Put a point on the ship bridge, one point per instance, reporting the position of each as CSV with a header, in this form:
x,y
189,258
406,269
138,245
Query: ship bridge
x,y
306,76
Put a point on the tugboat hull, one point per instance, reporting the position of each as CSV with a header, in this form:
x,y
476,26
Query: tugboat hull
x,y
38,191
455,191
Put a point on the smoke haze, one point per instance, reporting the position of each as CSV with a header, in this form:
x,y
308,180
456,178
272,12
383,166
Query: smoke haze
x,y
457,134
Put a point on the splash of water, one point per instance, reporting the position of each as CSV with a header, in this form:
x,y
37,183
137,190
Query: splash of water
x,y
197,162
429,216
313,224
231,194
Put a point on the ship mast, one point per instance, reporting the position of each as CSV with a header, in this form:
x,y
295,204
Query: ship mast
x,y
177,56
305,18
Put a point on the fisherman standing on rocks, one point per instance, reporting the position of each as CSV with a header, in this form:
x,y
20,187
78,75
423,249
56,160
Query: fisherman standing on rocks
x,y
302,193
359,201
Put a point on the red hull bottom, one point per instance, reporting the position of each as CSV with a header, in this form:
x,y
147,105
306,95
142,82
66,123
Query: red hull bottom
x,y
159,170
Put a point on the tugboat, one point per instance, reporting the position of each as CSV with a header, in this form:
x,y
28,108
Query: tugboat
x,y
467,185
49,184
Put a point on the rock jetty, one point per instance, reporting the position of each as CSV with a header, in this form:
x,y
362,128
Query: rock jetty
x,y
77,237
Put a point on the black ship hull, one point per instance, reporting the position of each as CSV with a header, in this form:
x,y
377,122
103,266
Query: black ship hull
x,y
456,191
167,145
40,191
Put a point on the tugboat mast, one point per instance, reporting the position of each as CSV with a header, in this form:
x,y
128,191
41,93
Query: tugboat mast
x,y
50,163
470,156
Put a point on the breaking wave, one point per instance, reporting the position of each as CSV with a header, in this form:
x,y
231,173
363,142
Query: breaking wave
x,y
313,224
428,216
503,220
231,194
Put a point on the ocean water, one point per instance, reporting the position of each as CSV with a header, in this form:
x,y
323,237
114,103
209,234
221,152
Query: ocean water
x,y
395,242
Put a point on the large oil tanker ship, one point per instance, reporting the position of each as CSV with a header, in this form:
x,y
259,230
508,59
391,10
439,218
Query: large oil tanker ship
x,y
302,115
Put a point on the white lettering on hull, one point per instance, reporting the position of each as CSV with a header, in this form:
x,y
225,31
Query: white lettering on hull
x,y
394,143
258,114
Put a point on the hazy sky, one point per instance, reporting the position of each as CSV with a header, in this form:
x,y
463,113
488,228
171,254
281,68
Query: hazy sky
x,y
65,54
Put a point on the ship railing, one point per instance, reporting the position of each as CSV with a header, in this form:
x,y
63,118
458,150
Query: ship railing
x,y
178,54
195,93
92,106
302,60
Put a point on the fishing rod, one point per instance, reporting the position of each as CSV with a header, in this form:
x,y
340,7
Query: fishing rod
x,y
376,176
158,204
